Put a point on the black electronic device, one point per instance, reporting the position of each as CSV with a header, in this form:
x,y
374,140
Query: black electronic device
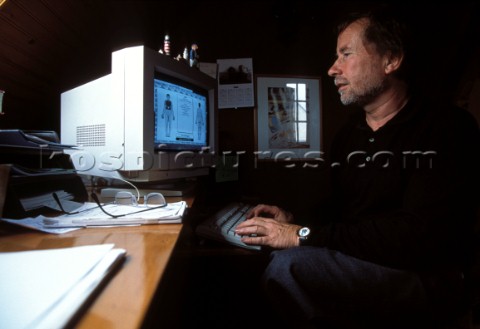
x,y
32,194
38,167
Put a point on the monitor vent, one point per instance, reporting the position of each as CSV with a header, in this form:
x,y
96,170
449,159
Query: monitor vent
x,y
92,135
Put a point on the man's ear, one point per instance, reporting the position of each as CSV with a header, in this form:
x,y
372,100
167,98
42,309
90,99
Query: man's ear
x,y
392,63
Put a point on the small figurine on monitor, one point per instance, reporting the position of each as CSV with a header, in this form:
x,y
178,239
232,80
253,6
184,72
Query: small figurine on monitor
x,y
194,56
166,45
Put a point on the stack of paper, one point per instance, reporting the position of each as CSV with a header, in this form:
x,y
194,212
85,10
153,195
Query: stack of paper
x,y
89,214
46,288
45,200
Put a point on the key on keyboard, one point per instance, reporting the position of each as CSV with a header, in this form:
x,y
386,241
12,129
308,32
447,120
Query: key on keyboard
x,y
221,226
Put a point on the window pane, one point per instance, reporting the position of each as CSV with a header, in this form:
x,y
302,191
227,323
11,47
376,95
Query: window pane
x,y
302,92
302,131
302,111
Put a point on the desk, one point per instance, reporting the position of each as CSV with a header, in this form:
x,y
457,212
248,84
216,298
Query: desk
x,y
124,301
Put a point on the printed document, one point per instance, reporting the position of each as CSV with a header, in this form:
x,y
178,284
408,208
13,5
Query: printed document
x,y
46,288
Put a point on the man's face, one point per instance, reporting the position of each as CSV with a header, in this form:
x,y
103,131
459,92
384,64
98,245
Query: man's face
x,y
358,71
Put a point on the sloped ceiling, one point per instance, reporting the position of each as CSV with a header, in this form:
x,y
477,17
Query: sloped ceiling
x,y
50,46
39,40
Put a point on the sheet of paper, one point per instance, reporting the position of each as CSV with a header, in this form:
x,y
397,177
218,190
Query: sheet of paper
x,y
36,223
44,288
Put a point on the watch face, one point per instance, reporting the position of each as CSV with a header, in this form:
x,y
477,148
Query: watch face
x,y
304,231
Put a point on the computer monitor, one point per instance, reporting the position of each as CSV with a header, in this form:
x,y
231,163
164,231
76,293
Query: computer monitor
x,y
152,119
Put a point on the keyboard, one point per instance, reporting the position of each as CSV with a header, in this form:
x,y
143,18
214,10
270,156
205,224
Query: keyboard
x,y
221,226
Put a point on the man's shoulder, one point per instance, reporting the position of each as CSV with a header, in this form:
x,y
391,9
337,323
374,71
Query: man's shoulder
x,y
437,111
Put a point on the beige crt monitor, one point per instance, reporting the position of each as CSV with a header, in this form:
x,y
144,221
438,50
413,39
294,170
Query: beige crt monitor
x,y
112,120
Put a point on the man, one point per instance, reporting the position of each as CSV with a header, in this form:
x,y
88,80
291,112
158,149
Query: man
x,y
391,249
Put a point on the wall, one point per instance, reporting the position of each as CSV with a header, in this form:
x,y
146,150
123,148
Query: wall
x,y
50,46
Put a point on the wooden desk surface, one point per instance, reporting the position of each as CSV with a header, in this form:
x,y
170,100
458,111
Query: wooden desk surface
x,y
124,301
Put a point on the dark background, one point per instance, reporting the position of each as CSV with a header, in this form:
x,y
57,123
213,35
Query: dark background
x,y
50,46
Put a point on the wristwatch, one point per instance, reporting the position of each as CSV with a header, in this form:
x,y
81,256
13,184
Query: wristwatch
x,y
303,234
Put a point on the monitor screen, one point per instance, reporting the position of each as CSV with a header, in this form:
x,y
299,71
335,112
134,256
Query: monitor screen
x,y
180,115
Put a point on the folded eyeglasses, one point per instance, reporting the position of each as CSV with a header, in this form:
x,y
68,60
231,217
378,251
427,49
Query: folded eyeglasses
x,y
151,201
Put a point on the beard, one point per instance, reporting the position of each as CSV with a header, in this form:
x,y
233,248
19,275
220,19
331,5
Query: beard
x,y
364,92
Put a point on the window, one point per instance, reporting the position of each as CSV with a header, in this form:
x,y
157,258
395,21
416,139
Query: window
x,y
288,117
299,110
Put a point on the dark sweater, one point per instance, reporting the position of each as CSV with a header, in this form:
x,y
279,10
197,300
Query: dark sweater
x,y
406,195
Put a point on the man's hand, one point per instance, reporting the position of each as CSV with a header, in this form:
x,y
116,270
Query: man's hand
x,y
263,210
276,232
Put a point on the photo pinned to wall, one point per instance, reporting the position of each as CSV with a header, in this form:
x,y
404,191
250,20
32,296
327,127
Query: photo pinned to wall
x,y
235,83
288,118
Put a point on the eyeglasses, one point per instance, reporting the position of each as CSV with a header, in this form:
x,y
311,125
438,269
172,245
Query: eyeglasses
x,y
151,201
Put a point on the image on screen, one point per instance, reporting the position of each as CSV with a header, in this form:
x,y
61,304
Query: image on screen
x,y
180,116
